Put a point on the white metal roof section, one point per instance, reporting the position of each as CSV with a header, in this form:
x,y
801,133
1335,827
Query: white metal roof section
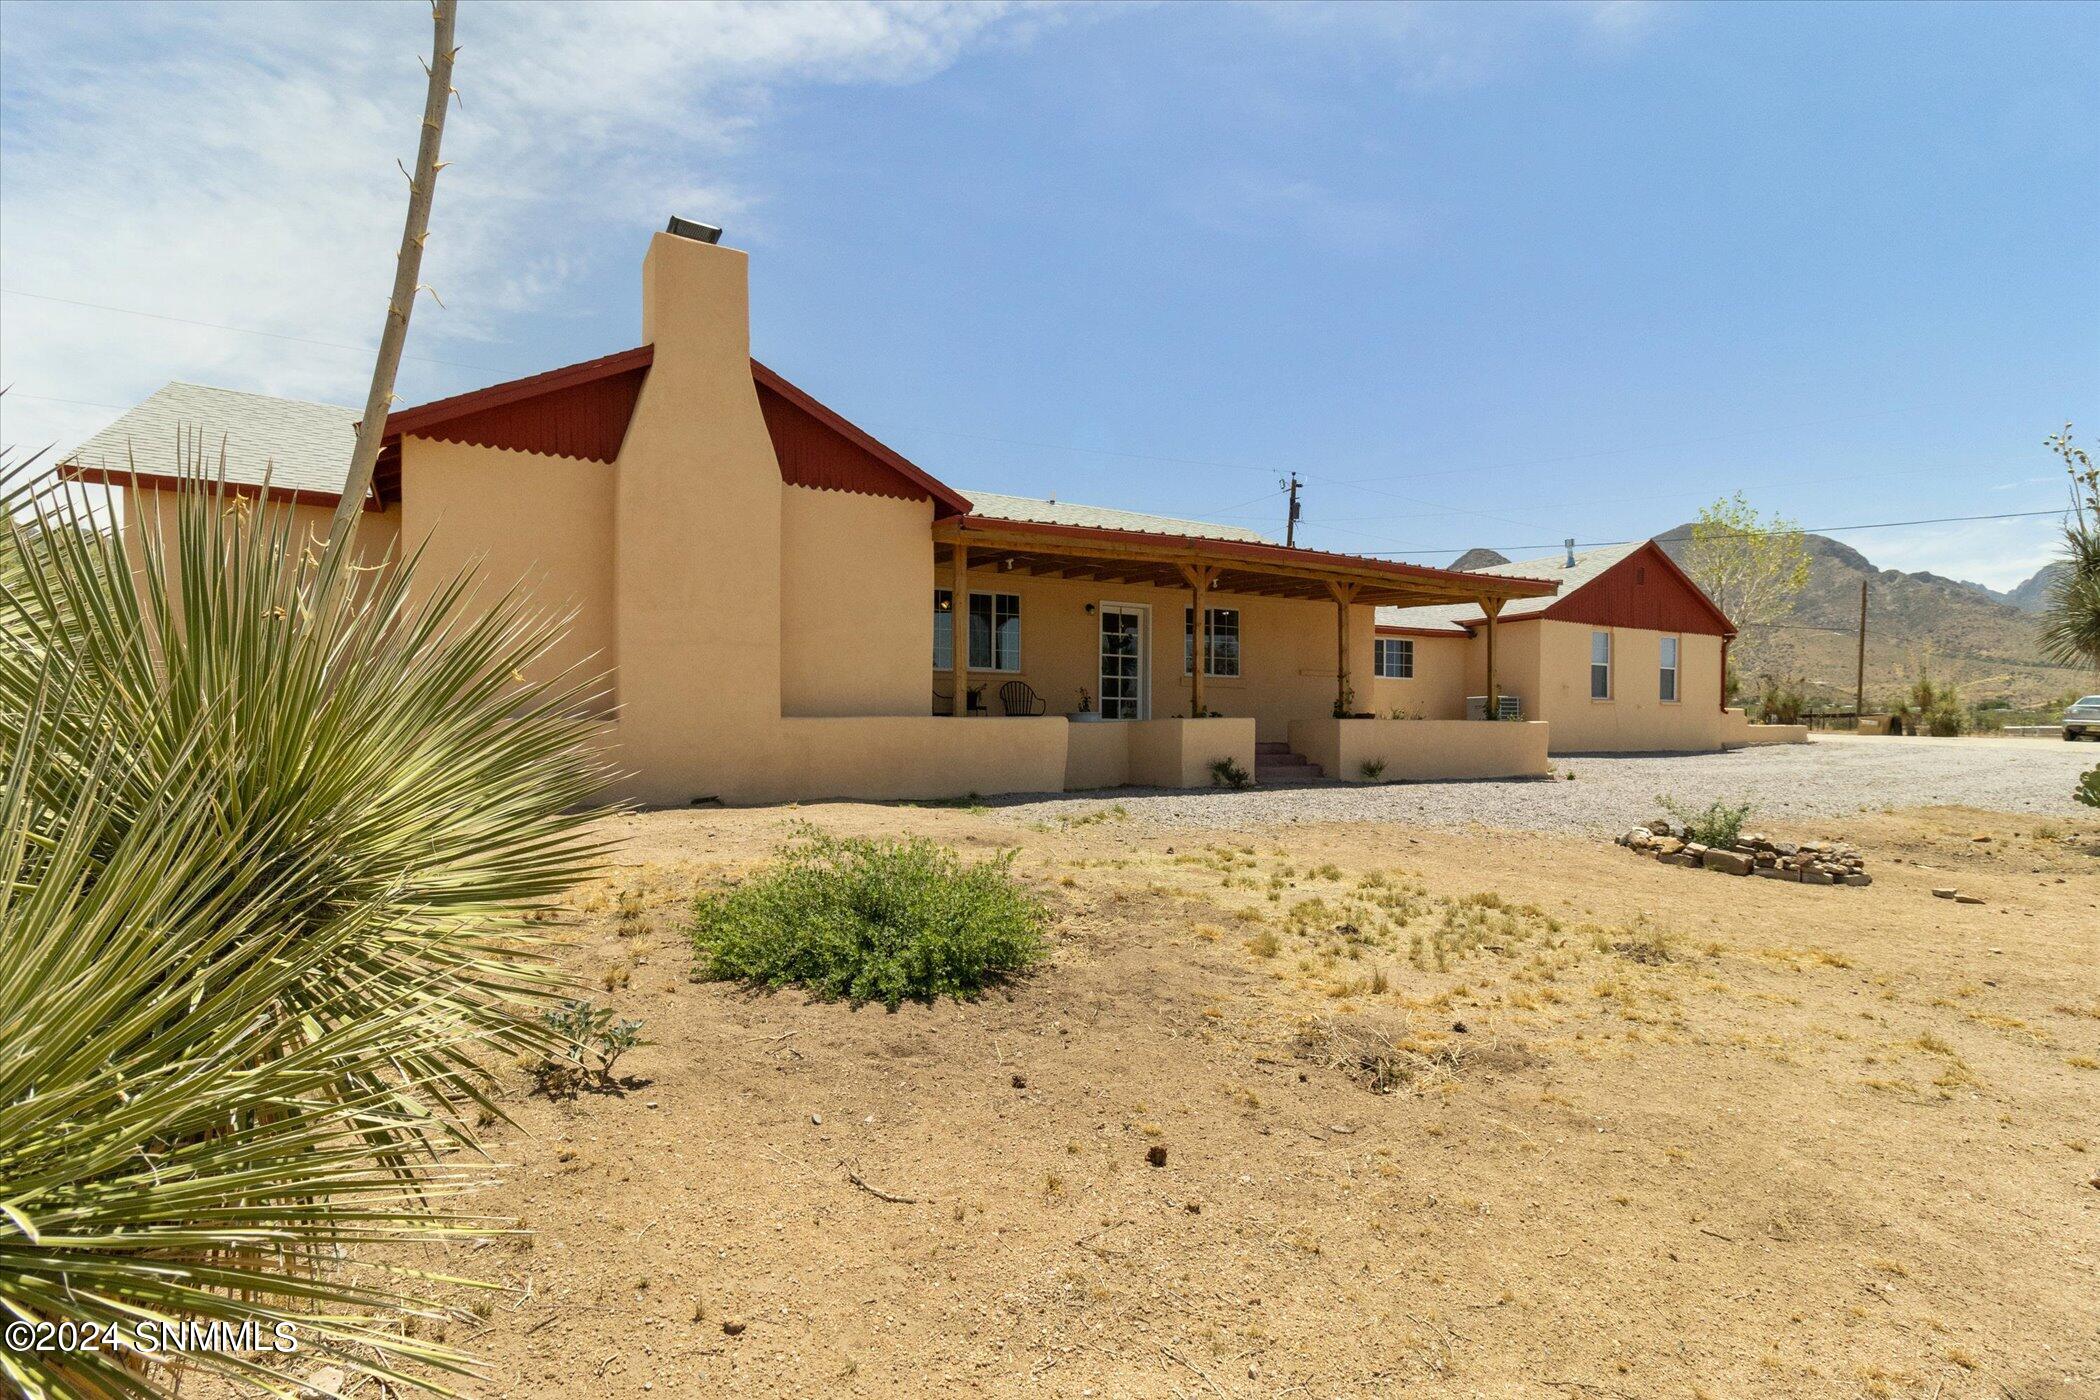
x,y
302,446
991,505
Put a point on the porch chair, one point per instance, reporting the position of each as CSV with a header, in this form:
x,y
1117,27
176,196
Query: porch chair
x,y
975,704
1019,698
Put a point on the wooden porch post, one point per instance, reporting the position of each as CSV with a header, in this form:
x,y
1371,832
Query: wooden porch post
x,y
1344,595
1493,608
959,630
1199,578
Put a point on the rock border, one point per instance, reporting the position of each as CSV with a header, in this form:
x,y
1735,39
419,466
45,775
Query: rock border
x,y
1752,853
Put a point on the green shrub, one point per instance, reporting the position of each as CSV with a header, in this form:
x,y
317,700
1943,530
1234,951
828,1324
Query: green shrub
x,y
2088,789
1225,772
1718,825
871,920
1781,701
1372,768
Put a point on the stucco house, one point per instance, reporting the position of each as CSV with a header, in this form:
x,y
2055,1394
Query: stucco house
x,y
1628,655
787,608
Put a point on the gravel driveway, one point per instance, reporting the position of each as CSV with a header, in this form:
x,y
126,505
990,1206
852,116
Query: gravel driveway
x,y
1830,776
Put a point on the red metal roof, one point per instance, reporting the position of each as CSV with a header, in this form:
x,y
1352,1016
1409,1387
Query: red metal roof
x,y
818,448
1646,590
583,410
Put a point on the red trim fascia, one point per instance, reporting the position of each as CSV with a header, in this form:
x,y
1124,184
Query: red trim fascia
x,y
418,421
1456,579
160,481
946,500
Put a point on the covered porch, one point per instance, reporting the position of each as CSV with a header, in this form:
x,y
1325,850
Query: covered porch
x,y
1105,626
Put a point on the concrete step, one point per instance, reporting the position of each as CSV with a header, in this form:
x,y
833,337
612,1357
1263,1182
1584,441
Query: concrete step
x,y
1265,747
1288,768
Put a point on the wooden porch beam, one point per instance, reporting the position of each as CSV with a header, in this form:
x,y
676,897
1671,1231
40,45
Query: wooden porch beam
x,y
1344,697
1198,577
959,629
1493,608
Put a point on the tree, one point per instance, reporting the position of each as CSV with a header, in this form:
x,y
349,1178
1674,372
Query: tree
x,y
408,265
1749,565
2071,616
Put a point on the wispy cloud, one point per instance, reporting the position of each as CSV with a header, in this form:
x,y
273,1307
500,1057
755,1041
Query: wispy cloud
x,y
1996,553
235,163
1444,47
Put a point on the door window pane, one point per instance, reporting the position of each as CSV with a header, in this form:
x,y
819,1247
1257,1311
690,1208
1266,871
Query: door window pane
x,y
943,629
1121,671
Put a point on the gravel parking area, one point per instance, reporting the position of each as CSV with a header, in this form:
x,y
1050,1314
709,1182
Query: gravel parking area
x,y
1830,776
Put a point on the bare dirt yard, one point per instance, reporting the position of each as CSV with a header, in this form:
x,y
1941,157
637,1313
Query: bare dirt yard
x,y
1464,1113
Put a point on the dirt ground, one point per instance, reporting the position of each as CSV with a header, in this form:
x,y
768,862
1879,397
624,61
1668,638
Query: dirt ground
x,y
1466,1114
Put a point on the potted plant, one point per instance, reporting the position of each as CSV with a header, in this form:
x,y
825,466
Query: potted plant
x,y
1086,706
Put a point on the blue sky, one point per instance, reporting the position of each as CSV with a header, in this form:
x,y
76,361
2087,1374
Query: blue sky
x,y
1479,274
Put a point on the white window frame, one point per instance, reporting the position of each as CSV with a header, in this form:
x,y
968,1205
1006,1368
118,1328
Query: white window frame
x,y
1670,674
1210,662
1402,647
1610,647
942,622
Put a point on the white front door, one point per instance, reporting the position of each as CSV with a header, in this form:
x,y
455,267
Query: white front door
x,y
1124,673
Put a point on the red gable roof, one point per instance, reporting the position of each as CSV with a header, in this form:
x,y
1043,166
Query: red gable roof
x,y
1645,590
582,411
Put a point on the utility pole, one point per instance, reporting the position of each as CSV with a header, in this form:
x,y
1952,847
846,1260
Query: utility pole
x,y
1859,676
1290,524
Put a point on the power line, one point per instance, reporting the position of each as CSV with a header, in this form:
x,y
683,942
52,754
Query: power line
x,y
241,330
1794,530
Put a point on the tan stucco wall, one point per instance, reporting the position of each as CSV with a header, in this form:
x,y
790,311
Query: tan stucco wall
x,y
1098,755
1179,752
1738,731
1437,690
148,511
1635,719
856,604
1287,649
1517,668
912,756
518,520
1419,749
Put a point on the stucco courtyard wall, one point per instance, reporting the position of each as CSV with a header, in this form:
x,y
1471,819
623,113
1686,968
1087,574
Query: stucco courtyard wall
x,y
1423,749
1179,752
1738,732
913,756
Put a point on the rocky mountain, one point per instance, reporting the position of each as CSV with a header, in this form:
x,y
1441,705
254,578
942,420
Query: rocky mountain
x,y
1479,559
1984,643
2028,597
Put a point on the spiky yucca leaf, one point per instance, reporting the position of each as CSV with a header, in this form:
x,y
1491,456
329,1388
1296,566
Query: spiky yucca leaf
x,y
173,1143
2070,631
266,828
366,742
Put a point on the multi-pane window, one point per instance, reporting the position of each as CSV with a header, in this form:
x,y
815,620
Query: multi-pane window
x,y
1223,657
1669,668
1393,658
1600,665
995,631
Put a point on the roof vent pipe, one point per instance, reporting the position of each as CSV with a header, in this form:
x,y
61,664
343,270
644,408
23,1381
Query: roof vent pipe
x,y
693,229
1571,553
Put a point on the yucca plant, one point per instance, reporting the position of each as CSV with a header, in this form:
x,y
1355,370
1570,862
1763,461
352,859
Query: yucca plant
x,y
273,827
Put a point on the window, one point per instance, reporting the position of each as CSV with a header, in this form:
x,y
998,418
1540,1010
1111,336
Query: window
x,y
1223,658
1600,665
995,631
1393,658
1669,668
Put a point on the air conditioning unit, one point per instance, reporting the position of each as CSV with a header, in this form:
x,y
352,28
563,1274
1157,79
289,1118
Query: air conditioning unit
x,y
1477,707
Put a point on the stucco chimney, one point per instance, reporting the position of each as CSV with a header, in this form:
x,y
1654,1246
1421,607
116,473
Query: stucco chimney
x,y
697,574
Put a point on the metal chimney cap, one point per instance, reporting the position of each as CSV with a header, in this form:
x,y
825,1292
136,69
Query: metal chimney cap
x,y
693,229
1571,553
